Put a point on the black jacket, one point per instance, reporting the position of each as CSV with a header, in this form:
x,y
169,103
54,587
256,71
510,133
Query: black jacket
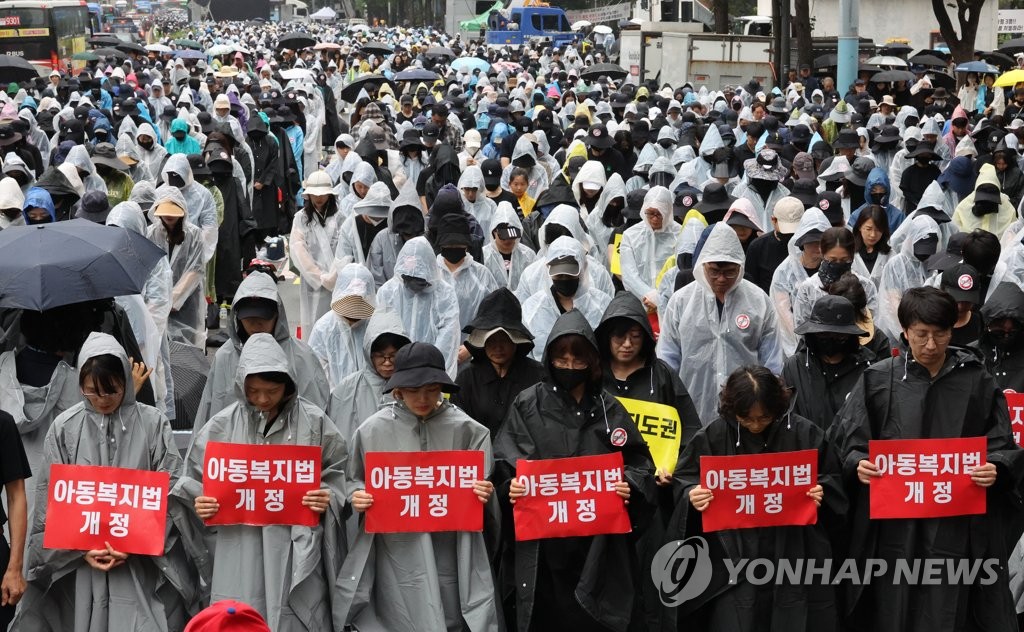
x,y
821,389
1005,364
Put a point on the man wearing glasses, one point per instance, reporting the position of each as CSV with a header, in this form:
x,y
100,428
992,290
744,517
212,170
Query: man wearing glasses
x,y
717,324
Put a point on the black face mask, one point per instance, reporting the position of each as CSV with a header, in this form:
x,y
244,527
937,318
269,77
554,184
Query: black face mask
x,y
984,207
569,378
257,135
822,346
1006,340
566,287
764,188
453,255
877,198
684,261
179,136
146,144
830,271
175,180
666,143
415,284
926,248
526,162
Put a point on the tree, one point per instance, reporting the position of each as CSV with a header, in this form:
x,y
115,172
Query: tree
x,y
721,8
968,15
802,28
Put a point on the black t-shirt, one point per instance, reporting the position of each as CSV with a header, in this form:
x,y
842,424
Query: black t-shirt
x,y
763,256
34,367
13,461
506,196
969,333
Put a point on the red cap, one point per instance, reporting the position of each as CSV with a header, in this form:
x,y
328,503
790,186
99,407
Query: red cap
x,y
228,616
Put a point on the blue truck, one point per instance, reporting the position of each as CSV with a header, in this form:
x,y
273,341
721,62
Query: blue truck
x,y
537,24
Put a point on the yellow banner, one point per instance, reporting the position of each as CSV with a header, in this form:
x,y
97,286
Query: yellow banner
x,y
614,264
661,428
24,32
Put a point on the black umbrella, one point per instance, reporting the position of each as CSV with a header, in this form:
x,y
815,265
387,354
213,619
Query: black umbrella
x,y
104,40
927,60
131,47
896,48
826,61
189,368
110,52
611,71
1015,45
889,76
417,74
351,92
295,41
14,69
942,80
868,68
440,51
999,59
50,265
377,48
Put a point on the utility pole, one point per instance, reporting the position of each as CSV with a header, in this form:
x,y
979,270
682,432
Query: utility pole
x,y
849,44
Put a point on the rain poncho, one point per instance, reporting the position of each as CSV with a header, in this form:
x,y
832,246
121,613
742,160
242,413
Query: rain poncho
x,y
686,244
507,273
536,277
484,207
350,246
697,171
644,250
763,209
219,393
38,198
79,157
902,272
599,230
789,275
933,197
472,281
539,180
363,173
187,320
427,314
875,178
418,582
146,593
705,344
995,223
336,342
199,204
186,146
154,157
284,572
540,310
311,249
592,171
387,243
809,291
11,196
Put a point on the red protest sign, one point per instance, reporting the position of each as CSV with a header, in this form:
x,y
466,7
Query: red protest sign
x,y
570,497
261,484
1015,403
89,505
926,478
423,492
760,490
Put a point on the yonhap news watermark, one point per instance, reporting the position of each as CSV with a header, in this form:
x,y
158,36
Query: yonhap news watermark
x,y
682,571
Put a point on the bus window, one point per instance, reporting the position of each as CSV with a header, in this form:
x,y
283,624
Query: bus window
x,y
551,22
535,21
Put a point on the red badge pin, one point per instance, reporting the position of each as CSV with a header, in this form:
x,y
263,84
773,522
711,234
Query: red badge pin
x,y
619,437
966,282
743,321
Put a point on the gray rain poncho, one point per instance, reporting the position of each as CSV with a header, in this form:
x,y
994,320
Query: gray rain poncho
x,y
599,231
219,392
362,173
521,257
592,172
472,282
933,197
154,157
809,291
645,159
284,572
644,251
311,249
337,343
201,209
705,345
146,593
484,207
686,244
187,320
79,157
418,582
387,243
763,209
536,277
426,314
697,171
902,272
538,181
540,310
790,274
127,147
350,248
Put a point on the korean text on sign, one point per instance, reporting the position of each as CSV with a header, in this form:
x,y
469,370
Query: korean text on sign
x,y
760,490
570,497
89,505
423,492
1015,403
659,424
926,478
261,484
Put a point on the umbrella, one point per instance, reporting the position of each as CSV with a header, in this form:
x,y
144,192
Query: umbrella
x,y
86,56
220,49
927,60
131,47
1005,80
327,46
417,74
826,61
189,368
295,41
942,80
979,67
188,53
469,64
351,92
895,48
297,73
188,43
104,40
159,48
886,60
582,24
889,76
359,27
602,29
609,70
440,51
1015,45
379,48
999,59
110,52
507,66
50,265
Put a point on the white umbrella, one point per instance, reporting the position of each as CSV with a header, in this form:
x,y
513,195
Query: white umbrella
x,y
886,60
159,48
327,46
296,73
238,48
219,49
603,29
582,24
359,27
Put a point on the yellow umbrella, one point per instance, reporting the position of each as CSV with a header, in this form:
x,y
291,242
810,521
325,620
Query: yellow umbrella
x,y
1010,79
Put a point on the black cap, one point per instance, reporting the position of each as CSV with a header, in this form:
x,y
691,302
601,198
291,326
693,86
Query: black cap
x,y
431,131
492,172
961,281
598,137
254,307
831,204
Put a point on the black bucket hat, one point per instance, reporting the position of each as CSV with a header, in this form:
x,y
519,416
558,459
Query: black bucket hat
x,y
499,311
831,315
418,364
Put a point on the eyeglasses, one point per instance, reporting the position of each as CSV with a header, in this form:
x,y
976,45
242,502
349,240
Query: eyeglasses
x,y
385,359
561,363
95,395
722,273
938,337
635,338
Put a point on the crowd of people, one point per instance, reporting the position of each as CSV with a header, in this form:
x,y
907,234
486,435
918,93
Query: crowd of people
x,y
491,256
